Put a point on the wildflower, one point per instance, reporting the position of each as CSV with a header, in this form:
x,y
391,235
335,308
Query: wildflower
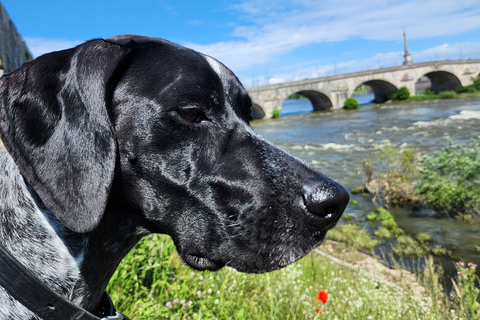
x,y
322,296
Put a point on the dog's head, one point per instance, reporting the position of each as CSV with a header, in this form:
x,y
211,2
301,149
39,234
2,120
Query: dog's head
x,y
168,128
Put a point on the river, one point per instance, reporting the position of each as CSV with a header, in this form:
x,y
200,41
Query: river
x,y
337,142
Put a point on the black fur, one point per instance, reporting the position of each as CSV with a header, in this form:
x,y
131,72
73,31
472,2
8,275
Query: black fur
x,y
122,137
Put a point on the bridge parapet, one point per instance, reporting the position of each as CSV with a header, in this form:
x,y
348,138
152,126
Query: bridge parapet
x,y
330,92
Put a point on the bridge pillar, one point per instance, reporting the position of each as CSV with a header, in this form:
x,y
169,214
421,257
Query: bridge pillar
x,y
338,98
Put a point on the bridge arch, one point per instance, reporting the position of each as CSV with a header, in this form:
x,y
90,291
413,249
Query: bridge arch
x,y
382,90
257,112
442,81
319,100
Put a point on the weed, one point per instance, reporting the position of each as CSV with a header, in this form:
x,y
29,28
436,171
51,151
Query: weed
x,y
467,293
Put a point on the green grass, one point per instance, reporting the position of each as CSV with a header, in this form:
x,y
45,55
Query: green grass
x,y
152,283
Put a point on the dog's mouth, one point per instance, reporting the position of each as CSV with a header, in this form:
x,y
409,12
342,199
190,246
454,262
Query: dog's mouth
x,y
202,263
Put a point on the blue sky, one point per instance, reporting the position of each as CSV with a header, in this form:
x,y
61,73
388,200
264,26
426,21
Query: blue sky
x,y
266,41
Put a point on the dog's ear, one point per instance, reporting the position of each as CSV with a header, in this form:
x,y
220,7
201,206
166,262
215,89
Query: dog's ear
x,y
54,122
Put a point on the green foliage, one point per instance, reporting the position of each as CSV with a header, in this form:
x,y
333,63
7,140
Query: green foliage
x,y
423,237
384,233
429,93
152,283
350,104
353,236
467,294
447,95
468,89
450,178
402,94
372,216
407,246
275,113
476,83
395,185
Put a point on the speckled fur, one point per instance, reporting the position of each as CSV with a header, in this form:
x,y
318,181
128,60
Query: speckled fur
x,y
131,135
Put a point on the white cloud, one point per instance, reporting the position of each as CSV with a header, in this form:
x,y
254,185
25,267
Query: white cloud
x,y
39,46
464,50
274,28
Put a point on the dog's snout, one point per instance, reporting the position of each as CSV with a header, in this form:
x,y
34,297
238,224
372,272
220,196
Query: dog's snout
x,y
326,200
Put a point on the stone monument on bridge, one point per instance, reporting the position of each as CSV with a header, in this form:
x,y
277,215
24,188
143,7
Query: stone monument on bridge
x,y
407,58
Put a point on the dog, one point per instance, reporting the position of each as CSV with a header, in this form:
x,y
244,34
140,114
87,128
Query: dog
x,y
121,137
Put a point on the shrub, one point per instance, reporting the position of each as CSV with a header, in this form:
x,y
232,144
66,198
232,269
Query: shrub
x,y
275,113
396,186
468,89
476,83
429,93
447,95
402,94
461,89
450,178
471,89
350,104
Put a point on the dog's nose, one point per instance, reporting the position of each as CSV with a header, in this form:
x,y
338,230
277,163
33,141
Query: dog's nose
x,y
326,200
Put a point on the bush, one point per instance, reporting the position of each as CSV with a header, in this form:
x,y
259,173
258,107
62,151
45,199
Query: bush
x,y
476,83
461,89
350,104
275,113
450,178
402,94
396,186
447,95
467,89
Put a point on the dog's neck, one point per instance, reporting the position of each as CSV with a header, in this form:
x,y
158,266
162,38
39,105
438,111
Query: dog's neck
x,y
77,266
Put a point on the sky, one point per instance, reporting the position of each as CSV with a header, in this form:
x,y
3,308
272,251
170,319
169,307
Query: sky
x,y
266,41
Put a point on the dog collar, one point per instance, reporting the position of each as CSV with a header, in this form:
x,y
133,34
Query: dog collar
x,y
27,289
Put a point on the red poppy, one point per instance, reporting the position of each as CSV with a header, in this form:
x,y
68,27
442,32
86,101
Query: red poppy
x,y
322,296
319,310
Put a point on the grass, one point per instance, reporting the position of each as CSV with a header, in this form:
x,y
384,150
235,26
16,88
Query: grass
x,y
152,283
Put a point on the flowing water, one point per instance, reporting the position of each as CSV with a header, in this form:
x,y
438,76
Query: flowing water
x,y
337,142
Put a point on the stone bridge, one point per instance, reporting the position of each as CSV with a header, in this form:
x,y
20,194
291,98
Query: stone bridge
x,y
330,92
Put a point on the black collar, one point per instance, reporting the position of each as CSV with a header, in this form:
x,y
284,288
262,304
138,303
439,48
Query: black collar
x,y
27,289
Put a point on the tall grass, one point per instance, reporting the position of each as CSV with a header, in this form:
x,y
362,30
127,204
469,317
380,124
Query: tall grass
x,y
152,283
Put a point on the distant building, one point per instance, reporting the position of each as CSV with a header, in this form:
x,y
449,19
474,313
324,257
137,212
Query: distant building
x,y
407,58
13,50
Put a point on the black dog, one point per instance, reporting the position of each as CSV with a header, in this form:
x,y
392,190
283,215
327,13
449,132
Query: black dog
x,y
122,137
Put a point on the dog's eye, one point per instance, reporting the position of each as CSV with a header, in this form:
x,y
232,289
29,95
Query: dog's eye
x,y
193,115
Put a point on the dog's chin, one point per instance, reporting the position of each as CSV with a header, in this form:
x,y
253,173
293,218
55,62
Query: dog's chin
x,y
252,264
280,259
202,263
